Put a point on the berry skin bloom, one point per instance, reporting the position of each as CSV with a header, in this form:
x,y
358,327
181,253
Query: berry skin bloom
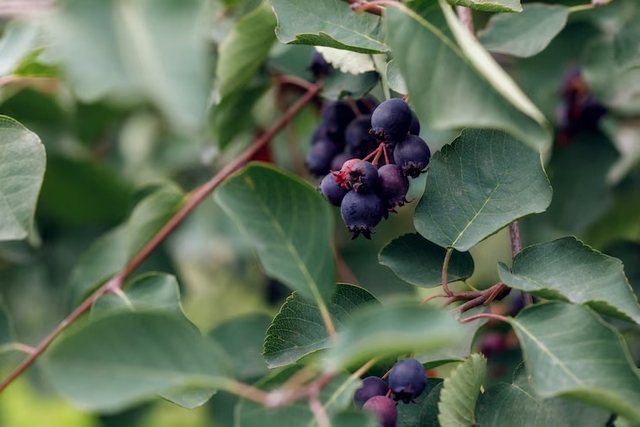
x,y
407,380
371,386
384,409
361,212
412,154
391,120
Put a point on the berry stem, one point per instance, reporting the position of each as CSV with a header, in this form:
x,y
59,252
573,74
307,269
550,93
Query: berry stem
x,y
386,155
445,268
194,199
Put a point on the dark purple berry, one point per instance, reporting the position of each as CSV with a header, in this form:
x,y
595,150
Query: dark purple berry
x,y
391,120
363,177
371,386
361,212
412,155
407,380
320,156
358,138
331,190
414,129
319,67
384,409
367,104
338,161
392,185
336,116
492,344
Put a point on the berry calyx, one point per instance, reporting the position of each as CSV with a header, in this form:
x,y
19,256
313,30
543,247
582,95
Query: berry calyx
x,y
384,409
331,190
363,177
407,380
412,155
371,386
361,212
391,120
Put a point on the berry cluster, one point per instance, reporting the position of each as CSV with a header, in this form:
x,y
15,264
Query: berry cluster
x,y
364,190
579,111
407,380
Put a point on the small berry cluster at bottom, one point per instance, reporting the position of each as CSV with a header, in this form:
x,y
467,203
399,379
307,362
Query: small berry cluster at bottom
x,y
364,189
407,381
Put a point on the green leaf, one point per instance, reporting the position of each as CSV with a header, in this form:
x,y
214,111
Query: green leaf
x,y
568,270
489,5
570,352
401,327
395,79
22,165
516,405
429,414
335,397
244,49
419,262
410,415
150,293
337,84
465,86
524,34
242,338
131,356
481,182
18,39
298,329
153,48
462,350
329,23
111,252
289,223
6,331
460,392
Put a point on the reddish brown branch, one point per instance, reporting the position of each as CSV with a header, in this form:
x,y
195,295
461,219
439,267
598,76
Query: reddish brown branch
x,y
194,199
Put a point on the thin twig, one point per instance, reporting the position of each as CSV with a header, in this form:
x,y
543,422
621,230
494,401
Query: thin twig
x,y
445,276
318,410
485,316
194,200
24,348
516,239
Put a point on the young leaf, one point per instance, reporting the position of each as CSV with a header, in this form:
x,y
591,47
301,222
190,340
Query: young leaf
x,y
153,47
568,270
22,165
460,392
481,182
516,405
489,5
289,223
464,87
244,49
524,34
298,330
123,359
570,352
401,327
419,262
329,23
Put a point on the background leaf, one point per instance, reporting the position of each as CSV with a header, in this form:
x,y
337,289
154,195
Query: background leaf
x,y
18,39
419,262
516,405
464,87
132,356
481,182
329,23
409,415
489,5
298,329
584,359
244,49
402,327
289,223
526,33
460,392
567,269
22,164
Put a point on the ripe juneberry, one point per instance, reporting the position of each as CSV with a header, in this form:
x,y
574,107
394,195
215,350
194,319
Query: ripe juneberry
x,y
407,380
363,177
320,156
319,67
392,185
336,116
358,138
384,409
493,343
331,190
371,386
412,155
391,120
361,212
